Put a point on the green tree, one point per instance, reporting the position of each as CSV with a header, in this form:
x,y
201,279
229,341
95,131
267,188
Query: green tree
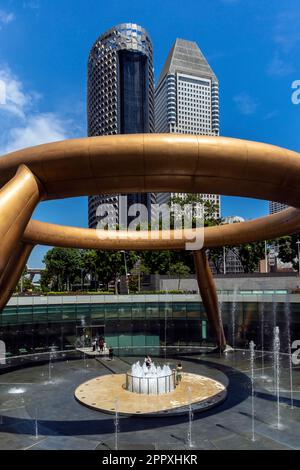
x,y
47,280
157,262
111,264
179,269
288,250
161,262
250,254
88,264
195,200
215,256
63,266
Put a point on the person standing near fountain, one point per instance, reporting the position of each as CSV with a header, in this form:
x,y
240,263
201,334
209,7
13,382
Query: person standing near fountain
x,y
101,344
110,353
178,373
148,361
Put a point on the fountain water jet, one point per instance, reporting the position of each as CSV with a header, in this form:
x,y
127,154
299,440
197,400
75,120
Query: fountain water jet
x,y
276,348
49,369
36,424
252,358
221,316
16,391
84,360
190,442
287,313
233,317
52,355
151,381
262,338
166,325
117,425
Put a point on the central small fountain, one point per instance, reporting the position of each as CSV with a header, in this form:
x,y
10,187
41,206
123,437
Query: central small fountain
x,y
150,380
148,389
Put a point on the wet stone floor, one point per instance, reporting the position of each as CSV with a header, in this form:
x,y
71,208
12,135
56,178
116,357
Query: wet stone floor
x,y
38,409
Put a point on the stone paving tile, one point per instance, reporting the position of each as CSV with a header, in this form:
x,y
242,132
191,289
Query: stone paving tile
x,y
109,444
18,441
285,436
63,420
235,442
65,443
196,445
116,366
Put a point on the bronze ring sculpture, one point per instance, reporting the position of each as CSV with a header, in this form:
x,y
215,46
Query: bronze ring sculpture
x,y
142,163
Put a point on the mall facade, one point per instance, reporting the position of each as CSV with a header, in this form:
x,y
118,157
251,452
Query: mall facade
x,y
141,323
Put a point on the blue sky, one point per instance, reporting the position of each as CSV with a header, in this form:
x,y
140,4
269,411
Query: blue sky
x,y
253,46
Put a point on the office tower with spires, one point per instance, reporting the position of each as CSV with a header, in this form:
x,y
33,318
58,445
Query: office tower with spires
x,y
187,100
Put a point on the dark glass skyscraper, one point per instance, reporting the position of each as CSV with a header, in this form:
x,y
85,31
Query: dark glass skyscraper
x,y
120,95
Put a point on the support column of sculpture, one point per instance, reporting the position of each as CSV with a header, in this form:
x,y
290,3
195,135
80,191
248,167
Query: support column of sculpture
x,y
209,297
13,272
18,199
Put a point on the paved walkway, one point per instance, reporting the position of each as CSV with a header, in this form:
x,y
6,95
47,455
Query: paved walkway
x,y
36,413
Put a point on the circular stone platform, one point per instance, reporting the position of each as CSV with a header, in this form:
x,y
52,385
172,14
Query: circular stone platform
x,y
103,393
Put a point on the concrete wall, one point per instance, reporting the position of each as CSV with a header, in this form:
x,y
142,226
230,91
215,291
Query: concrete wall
x,y
165,298
236,283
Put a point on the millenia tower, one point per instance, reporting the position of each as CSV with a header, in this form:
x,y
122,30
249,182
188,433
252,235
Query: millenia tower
x,y
120,97
276,207
187,99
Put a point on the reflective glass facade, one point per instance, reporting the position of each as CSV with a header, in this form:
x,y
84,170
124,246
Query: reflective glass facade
x,y
134,107
120,96
37,328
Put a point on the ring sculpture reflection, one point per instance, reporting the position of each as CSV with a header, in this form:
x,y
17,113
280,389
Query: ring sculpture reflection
x,y
143,163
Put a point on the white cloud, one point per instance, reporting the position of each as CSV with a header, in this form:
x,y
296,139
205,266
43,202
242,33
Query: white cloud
x,y
6,18
287,31
271,115
286,36
38,129
246,104
279,68
15,101
21,123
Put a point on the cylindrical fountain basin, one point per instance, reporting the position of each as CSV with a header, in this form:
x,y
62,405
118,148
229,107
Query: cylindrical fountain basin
x,y
151,385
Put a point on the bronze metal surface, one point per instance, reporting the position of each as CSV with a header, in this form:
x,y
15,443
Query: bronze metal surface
x,y
18,199
158,163
209,296
144,163
263,228
13,272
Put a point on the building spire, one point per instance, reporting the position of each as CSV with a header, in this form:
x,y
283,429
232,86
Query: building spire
x,y
186,57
